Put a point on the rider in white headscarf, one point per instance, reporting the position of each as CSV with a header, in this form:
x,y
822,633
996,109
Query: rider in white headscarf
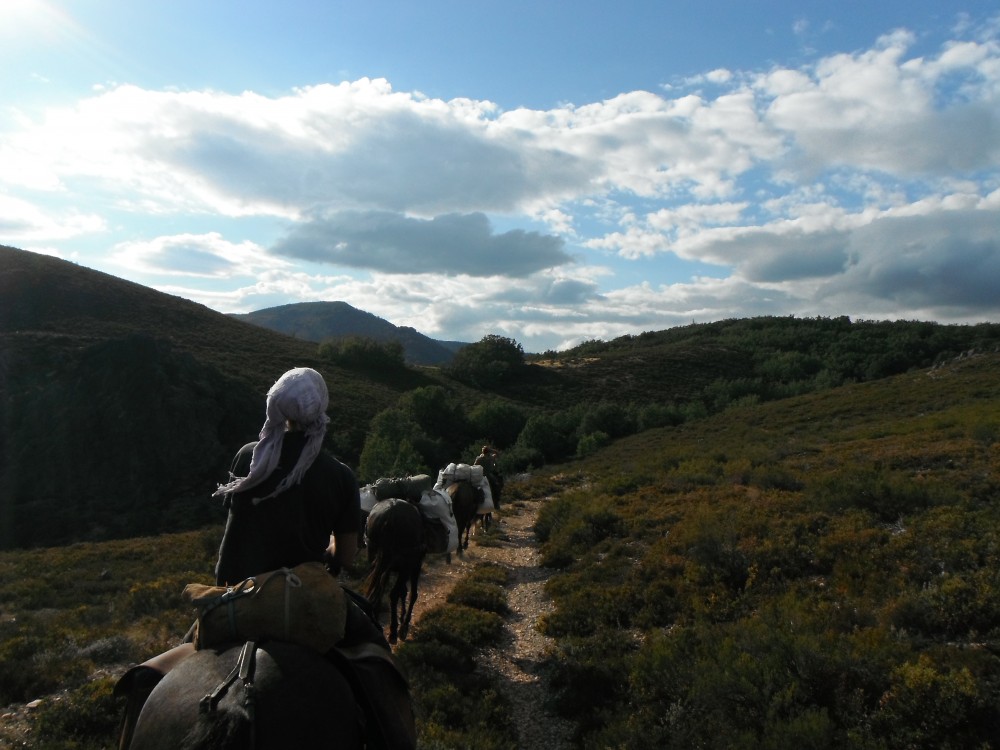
x,y
298,399
294,496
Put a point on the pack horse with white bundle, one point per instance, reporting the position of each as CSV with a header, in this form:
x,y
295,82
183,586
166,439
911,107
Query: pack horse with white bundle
x,y
472,476
405,519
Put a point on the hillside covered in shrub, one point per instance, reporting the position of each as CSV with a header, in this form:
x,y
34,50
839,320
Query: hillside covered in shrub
x,y
121,407
822,571
819,571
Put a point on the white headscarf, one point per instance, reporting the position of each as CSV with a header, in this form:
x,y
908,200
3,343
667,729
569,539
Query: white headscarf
x,y
300,396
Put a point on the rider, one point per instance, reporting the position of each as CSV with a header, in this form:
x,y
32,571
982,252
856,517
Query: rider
x,y
487,459
287,498
286,495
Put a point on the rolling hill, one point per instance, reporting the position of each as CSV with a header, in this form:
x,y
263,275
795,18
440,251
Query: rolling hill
x,y
120,406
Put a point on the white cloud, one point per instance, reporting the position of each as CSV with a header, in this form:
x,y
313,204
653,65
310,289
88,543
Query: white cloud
x,y
195,255
863,183
875,110
22,221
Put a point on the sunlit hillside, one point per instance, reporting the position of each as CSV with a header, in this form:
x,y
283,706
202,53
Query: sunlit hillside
x,y
816,572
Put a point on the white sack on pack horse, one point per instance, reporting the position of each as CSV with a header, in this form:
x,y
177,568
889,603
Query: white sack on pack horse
x,y
474,477
439,523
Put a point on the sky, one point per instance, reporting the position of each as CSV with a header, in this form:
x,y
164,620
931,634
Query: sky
x,y
552,171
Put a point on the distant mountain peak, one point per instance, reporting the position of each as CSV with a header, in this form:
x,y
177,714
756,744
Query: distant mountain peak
x,y
319,321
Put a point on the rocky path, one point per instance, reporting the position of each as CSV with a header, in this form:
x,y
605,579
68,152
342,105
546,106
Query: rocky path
x,y
516,661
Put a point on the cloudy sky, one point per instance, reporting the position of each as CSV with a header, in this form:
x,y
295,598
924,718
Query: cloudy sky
x,y
548,170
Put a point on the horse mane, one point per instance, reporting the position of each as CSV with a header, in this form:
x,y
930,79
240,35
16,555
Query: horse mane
x,y
220,729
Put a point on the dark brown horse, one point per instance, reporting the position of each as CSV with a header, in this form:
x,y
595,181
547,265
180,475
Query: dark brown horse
x,y
395,547
465,502
272,697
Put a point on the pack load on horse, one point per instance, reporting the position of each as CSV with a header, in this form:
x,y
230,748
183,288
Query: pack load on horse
x,y
475,477
440,527
250,677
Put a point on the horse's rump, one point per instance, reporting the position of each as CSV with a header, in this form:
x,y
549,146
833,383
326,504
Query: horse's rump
x,y
396,546
294,698
465,500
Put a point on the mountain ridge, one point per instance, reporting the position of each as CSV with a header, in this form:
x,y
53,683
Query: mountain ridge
x,y
320,321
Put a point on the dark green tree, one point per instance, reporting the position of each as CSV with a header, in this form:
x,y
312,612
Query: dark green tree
x,y
363,352
437,412
492,360
390,447
497,421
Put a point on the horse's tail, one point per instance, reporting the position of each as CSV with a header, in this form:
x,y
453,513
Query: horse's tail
x,y
375,581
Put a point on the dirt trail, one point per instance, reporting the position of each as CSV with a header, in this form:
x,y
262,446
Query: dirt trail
x,y
516,661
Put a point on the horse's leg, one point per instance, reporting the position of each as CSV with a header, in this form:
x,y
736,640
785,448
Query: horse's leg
x,y
394,595
414,578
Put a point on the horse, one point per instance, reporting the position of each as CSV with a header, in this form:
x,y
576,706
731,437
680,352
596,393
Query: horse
x,y
268,696
465,502
395,546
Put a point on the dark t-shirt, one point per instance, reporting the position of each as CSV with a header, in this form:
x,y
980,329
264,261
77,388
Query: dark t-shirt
x,y
293,527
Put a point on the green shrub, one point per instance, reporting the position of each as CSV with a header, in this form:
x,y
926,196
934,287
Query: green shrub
x,y
484,596
591,443
487,363
986,433
553,514
589,676
363,352
499,422
112,649
659,415
962,605
609,418
489,573
584,610
551,435
885,494
460,626
151,597
33,665
931,705
86,717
